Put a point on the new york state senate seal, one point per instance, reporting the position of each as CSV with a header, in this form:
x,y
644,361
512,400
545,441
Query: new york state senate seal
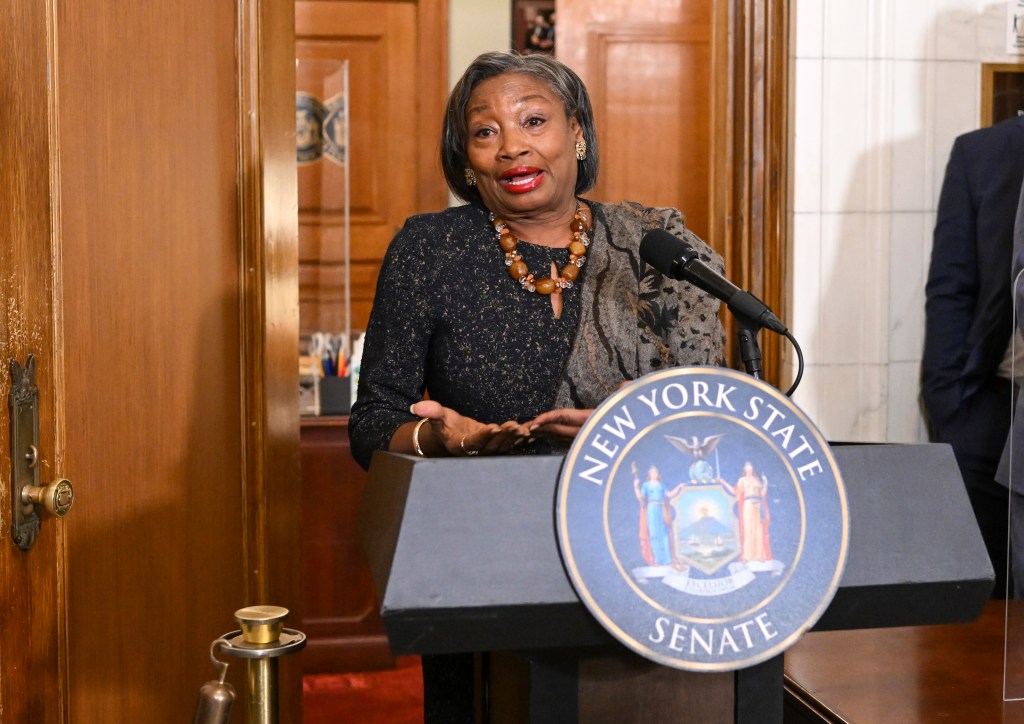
x,y
702,519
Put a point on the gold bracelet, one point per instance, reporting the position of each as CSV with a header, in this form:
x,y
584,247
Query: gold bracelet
x,y
416,436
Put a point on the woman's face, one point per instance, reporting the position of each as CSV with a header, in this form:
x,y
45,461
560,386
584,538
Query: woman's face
x,y
521,147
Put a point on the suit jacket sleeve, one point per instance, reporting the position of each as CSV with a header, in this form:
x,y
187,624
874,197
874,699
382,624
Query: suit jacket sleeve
x,y
951,293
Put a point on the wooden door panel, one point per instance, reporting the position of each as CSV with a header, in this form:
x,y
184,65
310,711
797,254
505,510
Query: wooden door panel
x,y
380,44
654,148
151,278
649,68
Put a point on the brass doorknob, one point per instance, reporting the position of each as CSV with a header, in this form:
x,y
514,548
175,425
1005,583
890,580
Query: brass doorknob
x,y
56,497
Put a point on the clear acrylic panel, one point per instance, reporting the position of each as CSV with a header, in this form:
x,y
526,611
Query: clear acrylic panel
x,y
1013,468
322,156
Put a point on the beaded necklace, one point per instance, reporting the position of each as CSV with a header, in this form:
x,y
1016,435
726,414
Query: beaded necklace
x,y
517,269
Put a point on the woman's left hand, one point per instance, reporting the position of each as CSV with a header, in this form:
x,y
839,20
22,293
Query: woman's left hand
x,y
461,435
561,424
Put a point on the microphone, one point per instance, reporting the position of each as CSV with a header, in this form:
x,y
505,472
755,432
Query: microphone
x,y
674,258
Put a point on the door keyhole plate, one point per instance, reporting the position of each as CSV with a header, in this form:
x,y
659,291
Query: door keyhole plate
x,y
23,406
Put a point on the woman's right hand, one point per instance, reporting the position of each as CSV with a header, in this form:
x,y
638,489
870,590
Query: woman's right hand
x,y
449,432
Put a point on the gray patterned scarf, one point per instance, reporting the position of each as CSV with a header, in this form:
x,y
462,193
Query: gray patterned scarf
x,y
634,320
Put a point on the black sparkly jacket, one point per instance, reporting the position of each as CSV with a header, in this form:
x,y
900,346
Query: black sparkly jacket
x,y
449,320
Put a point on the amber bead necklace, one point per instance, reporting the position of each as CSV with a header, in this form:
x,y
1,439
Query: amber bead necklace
x,y
579,227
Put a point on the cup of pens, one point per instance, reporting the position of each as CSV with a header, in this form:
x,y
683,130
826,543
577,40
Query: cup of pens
x,y
335,370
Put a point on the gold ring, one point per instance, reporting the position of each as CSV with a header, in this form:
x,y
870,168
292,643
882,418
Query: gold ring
x,y
462,444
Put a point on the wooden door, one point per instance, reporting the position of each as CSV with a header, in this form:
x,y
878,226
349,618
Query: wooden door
x,y
148,261
397,58
649,67
31,621
690,100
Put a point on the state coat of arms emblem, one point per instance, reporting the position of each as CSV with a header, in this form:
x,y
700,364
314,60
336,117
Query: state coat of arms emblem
x,y
702,519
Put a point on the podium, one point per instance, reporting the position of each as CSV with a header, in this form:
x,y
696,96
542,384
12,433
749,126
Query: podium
x,y
465,558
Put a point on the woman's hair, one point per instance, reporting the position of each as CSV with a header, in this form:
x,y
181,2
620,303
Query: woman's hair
x,y
562,80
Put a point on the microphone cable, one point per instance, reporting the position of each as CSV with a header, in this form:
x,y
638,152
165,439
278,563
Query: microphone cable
x,y
799,363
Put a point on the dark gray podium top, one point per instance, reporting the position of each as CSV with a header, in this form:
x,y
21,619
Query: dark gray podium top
x,y
465,556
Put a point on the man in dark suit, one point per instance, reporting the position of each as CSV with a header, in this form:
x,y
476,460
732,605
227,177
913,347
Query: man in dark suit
x,y
965,382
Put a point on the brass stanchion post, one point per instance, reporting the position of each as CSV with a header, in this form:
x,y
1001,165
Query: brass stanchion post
x,y
261,640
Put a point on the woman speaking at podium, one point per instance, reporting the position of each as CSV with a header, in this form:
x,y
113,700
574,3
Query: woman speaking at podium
x,y
519,312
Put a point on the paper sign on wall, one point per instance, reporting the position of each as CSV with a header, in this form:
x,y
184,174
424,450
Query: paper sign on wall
x,y
1015,26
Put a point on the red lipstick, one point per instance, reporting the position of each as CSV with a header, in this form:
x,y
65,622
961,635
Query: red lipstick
x,y
521,179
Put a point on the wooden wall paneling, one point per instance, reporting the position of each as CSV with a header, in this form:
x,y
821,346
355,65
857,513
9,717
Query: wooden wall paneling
x,y
725,223
269,325
775,262
150,182
322,280
322,277
648,66
754,170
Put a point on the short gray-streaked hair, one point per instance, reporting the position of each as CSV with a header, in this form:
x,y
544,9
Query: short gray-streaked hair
x,y
563,81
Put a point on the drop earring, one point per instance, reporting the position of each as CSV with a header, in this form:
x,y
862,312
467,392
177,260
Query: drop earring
x,y
581,150
470,177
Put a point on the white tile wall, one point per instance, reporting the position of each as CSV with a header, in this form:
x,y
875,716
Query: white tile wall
x,y
807,394
881,89
880,31
909,244
905,423
854,276
878,136
805,314
846,29
844,135
909,140
852,402
807,134
991,33
910,28
956,24
808,39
